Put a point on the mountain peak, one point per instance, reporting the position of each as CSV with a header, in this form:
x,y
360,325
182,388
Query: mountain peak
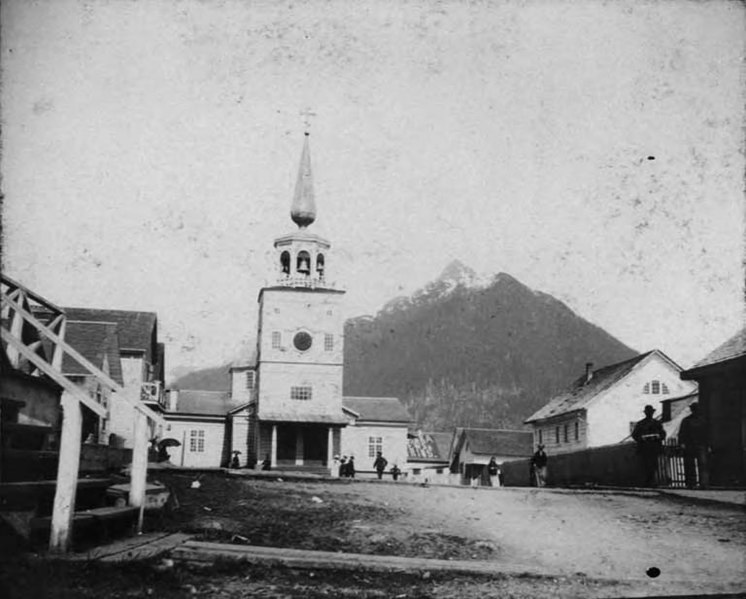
x,y
457,272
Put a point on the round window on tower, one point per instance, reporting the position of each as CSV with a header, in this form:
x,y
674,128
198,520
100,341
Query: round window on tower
x,y
302,341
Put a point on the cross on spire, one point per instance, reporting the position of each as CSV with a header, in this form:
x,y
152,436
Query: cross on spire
x,y
307,115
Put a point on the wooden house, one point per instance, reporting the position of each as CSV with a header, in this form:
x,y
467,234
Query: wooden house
x,y
721,376
602,406
473,448
428,456
375,424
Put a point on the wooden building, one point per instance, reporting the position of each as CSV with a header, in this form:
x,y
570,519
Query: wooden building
x,y
473,448
721,376
602,406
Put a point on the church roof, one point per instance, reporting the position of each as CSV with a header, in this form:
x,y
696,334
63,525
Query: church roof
x,y
377,409
205,403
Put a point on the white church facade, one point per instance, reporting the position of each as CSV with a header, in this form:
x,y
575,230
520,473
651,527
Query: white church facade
x,y
286,402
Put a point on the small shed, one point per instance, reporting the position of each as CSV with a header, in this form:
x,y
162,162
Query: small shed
x,y
474,447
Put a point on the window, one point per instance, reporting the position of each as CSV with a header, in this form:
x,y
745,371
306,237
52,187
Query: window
x,y
302,341
540,437
320,265
375,444
577,431
565,431
197,441
656,388
556,435
276,340
285,263
249,379
328,342
300,393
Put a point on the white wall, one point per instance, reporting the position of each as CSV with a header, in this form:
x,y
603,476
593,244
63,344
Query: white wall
x,y
610,414
122,414
355,443
213,446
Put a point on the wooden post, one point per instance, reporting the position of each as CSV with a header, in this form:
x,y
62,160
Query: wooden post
x,y
330,450
139,471
67,474
273,448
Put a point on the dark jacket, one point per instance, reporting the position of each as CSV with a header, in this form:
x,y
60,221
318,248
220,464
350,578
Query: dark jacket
x,y
692,432
648,434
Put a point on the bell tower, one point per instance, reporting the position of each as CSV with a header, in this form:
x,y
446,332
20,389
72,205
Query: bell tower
x,y
297,416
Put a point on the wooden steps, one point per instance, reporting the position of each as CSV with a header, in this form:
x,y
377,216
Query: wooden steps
x,y
90,527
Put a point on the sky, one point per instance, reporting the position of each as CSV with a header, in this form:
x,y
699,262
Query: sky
x,y
593,150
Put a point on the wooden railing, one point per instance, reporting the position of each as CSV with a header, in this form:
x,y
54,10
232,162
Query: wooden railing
x,y
33,340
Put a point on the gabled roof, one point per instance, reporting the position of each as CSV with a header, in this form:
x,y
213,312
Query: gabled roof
x,y
377,409
495,442
581,393
94,340
429,447
136,329
735,347
207,403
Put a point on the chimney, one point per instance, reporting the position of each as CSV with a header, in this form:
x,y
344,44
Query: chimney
x,y
173,399
588,372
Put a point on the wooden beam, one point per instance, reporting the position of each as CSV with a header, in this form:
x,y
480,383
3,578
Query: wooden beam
x,y
100,375
53,374
67,475
58,328
34,296
139,472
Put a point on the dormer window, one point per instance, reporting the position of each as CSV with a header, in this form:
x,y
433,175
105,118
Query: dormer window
x,y
304,263
655,387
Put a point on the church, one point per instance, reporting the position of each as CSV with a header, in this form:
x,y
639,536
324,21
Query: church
x,y
286,403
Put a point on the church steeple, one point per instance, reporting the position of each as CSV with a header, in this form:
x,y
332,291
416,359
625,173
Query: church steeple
x,y
302,255
303,210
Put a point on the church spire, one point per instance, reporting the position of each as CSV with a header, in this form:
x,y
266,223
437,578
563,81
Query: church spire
x,y
303,211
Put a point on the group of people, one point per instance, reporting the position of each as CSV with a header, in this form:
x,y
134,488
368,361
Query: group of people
x,y
649,436
346,466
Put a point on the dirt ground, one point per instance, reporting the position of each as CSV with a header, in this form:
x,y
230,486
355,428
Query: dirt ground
x,y
573,544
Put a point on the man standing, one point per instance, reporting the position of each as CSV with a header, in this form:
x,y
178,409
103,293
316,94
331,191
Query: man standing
x,y
380,465
693,440
539,466
649,435
493,469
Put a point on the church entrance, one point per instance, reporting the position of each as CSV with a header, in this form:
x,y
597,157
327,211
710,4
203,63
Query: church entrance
x,y
301,445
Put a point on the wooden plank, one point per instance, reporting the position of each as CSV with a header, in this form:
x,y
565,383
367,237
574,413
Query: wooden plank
x,y
55,375
67,475
139,472
34,296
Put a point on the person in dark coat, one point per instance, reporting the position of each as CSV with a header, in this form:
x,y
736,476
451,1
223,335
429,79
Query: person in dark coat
x,y
649,436
380,465
693,440
267,463
343,467
395,472
539,466
351,467
493,470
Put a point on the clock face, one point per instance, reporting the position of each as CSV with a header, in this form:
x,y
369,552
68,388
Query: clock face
x,y
302,341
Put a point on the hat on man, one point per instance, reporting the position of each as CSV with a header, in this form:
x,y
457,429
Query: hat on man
x,y
649,409
541,446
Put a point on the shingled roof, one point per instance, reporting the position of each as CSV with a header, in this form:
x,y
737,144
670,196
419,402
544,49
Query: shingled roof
x,y
204,403
495,442
94,340
377,409
581,392
429,447
137,330
735,347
